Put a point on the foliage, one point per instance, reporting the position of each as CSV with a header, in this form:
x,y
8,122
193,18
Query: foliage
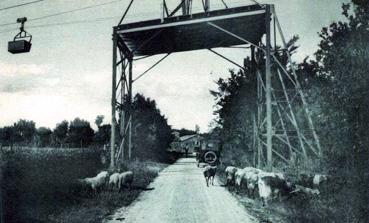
x,y
335,83
184,131
337,79
24,131
99,120
80,133
7,135
43,137
102,135
236,107
60,132
150,130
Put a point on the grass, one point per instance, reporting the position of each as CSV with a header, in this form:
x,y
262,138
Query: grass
x,y
341,199
39,185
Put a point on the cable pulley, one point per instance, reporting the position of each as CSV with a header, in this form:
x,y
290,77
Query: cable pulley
x,y
22,41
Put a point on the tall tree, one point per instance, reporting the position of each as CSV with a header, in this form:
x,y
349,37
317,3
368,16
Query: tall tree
x,y
99,120
151,132
338,79
102,135
60,132
43,137
80,133
24,131
7,135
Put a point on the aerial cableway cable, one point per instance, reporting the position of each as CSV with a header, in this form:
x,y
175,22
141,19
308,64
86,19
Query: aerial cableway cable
x,y
65,12
20,5
66,23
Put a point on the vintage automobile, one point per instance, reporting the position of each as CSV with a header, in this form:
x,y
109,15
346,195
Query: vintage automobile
x,y
208,152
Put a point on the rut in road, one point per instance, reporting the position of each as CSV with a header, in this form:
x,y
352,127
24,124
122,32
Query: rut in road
x,y
180,195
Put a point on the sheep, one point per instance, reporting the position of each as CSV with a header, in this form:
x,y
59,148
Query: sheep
x,y
230,175
114,180
319,179
271,174
97,182
272,184
239,175
311,181
125,178
251,178
209,173
249,168
242,175
305,190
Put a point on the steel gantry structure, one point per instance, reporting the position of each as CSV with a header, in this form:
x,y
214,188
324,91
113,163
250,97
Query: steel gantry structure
x,y
254,26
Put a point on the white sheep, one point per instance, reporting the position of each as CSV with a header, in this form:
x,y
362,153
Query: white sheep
x,y
230,175
251,178
97,182
271,174
273,185
319,179
125,178
306,190
239,175
113,181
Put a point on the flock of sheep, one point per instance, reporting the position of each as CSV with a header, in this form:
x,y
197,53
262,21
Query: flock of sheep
x,y
267,185
114,181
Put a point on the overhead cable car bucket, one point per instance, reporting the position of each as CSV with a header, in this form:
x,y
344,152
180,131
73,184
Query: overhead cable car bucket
x,y
19,46
22,41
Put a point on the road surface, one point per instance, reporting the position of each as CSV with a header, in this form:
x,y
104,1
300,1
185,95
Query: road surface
x,y
180,195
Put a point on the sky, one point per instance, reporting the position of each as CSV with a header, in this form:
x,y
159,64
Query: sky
x,y
67,74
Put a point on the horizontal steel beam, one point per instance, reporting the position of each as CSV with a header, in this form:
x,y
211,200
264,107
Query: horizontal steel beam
x,y
193,21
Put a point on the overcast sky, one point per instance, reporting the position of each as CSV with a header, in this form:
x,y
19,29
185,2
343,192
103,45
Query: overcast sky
x,y
67,74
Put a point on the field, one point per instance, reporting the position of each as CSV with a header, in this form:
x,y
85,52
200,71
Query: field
x,y
39,185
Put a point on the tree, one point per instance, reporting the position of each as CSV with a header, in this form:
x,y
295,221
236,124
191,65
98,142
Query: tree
x,y
99,120
151,133
102,136
341,61
184,131
24,131
197,129
7,135
80,133
60,132
43,137
337,79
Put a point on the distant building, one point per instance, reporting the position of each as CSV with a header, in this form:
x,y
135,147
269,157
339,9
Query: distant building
x,y
187,142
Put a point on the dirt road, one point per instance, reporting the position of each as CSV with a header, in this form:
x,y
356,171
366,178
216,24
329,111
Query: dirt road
x,y
180,195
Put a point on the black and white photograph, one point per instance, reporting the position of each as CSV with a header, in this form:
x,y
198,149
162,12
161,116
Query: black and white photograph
x,y
184,111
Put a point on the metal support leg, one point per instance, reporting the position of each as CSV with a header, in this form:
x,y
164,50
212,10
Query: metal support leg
x,y
259,115
268,80
259,125
130,108
113,102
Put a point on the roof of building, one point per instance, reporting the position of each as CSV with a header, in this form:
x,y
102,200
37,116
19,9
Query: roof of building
x,y
186,137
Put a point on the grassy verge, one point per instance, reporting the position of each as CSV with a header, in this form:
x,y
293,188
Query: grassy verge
x,y
270,214
341,199
39,186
